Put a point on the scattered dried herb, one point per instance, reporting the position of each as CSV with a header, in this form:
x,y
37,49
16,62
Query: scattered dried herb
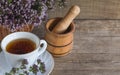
x,y
22,70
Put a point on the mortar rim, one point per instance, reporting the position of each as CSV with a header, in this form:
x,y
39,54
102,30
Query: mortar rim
x,y
72,25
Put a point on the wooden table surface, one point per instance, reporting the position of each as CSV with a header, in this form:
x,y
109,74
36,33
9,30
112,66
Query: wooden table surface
x,y
96,49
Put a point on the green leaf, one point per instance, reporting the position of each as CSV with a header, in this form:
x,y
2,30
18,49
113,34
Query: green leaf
x,y
0,13
9,1
8,74
21,74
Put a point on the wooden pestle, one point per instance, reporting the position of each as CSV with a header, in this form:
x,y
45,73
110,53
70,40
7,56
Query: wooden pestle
x,y
62,26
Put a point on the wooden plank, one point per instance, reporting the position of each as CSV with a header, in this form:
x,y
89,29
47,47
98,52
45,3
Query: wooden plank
x,y
91,9
95,27
95,52
86,72
87,63
96,49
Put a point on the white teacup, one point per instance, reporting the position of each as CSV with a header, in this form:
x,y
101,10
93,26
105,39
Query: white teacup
x,y
15,59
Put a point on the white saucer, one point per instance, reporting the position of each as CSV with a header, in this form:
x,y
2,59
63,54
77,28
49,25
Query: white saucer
x,y
45,57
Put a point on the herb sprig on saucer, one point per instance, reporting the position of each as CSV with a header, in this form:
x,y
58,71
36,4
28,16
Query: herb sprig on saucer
x,y
22,70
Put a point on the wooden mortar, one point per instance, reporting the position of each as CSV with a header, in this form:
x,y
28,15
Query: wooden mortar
x,y
59,33
59,44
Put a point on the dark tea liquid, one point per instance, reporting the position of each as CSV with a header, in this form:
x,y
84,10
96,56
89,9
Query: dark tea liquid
x,y
21,46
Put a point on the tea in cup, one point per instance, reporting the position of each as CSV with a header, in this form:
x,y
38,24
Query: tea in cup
x,y
22,45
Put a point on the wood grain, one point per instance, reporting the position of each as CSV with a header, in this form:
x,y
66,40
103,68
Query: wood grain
x,y
91,9
96,49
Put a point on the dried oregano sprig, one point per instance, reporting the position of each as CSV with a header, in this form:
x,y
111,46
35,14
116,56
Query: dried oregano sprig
x,y
22,70
14,14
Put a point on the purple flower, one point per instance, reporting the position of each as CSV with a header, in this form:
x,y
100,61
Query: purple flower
x,y
16,13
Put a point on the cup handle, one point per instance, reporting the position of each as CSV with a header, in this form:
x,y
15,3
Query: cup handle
x,y
43,48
